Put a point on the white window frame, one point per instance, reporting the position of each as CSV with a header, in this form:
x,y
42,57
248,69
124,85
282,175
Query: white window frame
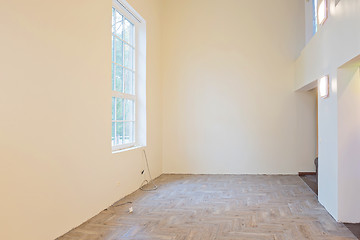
x,y
140,75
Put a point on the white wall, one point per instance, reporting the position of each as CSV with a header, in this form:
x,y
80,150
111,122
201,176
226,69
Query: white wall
x,y
349,142
57,169
333,45
328,150
336,43
229,105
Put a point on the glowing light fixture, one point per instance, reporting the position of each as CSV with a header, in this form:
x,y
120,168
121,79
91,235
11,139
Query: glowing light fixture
x,y
324,87
322,12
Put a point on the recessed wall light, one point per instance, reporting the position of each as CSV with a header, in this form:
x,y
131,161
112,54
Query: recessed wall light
x,y
324,87
322,12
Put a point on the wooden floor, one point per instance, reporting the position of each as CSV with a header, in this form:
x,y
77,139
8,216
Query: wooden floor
x,y
217,207
311,181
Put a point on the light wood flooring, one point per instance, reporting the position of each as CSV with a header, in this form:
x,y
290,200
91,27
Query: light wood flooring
x,y
223,207
311,181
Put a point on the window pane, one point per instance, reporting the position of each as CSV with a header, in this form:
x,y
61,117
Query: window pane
x,y
113,21
113,134
119,109
119,25
113,109
113,76
119,133
128,53
129,32
129,81
118,76
118,51
129,110
129,132
112,49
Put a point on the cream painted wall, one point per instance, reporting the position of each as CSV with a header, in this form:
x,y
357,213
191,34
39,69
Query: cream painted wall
x,y
336,43
349,142
229,105
57,169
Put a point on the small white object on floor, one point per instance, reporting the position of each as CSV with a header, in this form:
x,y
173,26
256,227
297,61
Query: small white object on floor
x,y
131,209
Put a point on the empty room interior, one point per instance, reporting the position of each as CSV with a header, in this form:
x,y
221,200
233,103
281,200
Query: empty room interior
x,y
180,120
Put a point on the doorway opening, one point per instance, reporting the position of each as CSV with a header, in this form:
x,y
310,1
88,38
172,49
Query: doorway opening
x,y
311,178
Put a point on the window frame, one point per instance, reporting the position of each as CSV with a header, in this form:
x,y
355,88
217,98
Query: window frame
x,y
139,80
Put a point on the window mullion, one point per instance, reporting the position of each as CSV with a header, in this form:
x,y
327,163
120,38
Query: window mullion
x,y
133,71
115,35
118,94
115,119
124,120
123,53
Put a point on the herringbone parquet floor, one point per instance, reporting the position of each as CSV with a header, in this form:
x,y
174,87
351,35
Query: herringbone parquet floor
x,y
224,207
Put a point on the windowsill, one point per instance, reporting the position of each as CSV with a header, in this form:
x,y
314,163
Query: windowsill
x,y
127,149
